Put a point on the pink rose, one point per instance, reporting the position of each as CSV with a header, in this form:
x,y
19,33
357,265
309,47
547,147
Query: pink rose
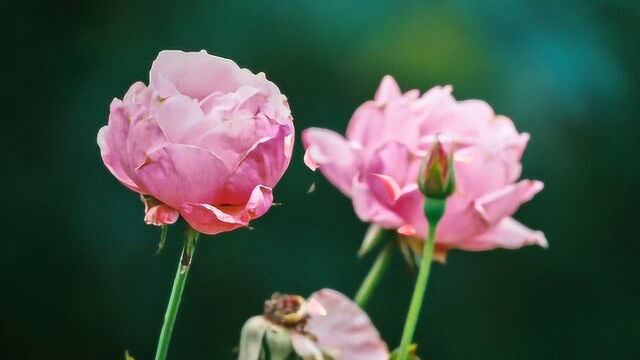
x,y
206,140
377,166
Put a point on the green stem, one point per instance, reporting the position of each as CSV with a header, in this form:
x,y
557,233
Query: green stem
x,y
191,238
433,210
372,279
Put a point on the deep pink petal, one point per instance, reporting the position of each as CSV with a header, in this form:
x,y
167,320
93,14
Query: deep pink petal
x,y
210,219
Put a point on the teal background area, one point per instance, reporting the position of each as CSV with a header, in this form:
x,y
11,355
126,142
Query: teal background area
x,y
80,276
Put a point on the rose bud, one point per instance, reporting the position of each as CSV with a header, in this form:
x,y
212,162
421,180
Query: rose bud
x,y
437,178
205,140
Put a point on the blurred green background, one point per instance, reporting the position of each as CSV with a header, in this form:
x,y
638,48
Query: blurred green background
x,y
80,276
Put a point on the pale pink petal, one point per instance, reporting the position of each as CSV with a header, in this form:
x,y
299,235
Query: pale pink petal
x,y
314,308
331,152
112,143
369,209
346,332
504,202
391,188
305,347
367,125
387,90
308,160
178,174
181,119
145,137
231,139
508,234
193,74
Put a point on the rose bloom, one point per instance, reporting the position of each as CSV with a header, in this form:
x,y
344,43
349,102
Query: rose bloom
x,y
377,165
206,140
328,325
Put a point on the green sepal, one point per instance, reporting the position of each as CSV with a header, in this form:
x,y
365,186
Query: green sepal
x,y
163,237
372,238
413,348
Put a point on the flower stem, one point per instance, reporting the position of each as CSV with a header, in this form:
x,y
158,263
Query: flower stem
x,y
191,238
372,279
434,209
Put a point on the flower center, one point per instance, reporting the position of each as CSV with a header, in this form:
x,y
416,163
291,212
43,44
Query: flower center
x,y
286,310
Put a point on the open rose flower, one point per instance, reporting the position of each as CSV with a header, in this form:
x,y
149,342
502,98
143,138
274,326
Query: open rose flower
x,y
206,140
378,161
326,326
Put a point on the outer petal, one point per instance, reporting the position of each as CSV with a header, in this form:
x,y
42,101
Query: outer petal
x,y
465,217
335,157
387,90
112,142
493,163
346,332
161,214
508,234
210,219
370,209
495,206
305,347
263,164
178,174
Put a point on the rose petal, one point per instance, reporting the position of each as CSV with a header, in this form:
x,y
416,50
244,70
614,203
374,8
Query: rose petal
x,y
331,152
210,219
508,234
387,90
178,174
112,143
305,347
504,202
161,215
346,332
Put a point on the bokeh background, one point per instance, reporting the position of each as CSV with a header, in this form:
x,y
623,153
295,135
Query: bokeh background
x,y
80,278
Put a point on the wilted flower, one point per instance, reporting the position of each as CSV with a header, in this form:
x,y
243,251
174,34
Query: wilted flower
x,y
206,140
327,326
378,162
